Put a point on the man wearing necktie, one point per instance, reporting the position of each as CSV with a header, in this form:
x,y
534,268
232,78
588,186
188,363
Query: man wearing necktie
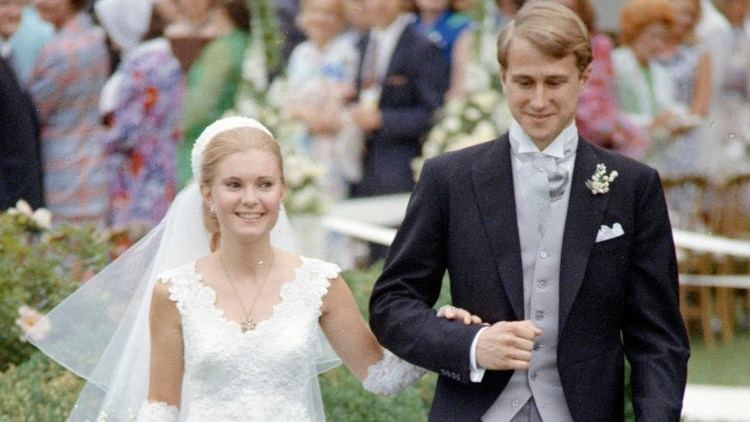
x,y
401,81
565,249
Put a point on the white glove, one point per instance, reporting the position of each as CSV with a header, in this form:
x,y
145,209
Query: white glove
x,y
157,412
391,375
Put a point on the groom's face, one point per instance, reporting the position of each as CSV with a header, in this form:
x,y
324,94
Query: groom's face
x,y
542,90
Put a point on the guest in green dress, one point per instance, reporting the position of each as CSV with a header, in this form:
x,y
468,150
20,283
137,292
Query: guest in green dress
x,y
213,79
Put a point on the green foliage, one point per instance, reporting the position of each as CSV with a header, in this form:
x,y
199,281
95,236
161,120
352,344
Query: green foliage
x,y
344,400
37,390
265,17
38,268
725,364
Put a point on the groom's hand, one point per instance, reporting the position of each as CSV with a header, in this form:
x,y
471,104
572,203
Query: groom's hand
x,y
506,345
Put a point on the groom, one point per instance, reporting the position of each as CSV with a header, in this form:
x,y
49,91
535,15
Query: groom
x,y
564,248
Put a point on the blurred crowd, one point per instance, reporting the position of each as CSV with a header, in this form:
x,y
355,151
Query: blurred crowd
x,y
101,101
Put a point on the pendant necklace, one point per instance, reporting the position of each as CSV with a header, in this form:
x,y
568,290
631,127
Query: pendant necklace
x,y
248,323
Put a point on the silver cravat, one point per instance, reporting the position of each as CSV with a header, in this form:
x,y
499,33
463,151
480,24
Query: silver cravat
x,y
548,181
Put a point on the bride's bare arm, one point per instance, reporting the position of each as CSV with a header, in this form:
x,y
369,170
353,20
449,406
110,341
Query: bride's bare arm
x,y
165,376
352,338
347,331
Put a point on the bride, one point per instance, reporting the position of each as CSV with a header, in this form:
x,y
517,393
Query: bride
x,y
217,318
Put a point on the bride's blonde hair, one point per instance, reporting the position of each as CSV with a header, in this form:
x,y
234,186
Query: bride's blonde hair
x,y
225,143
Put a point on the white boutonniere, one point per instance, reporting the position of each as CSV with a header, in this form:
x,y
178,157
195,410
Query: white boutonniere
x,y
599,182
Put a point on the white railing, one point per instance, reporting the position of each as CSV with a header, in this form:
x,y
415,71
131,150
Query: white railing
x,y
373,220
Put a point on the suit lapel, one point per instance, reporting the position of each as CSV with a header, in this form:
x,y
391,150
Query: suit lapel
x,y
493,187
585,213
400,51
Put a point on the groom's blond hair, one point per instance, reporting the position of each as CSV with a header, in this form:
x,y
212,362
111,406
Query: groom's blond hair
x,y
551,28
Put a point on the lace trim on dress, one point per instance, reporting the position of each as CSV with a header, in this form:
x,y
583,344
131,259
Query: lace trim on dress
x,y
327,271
158,411
390,375
310,284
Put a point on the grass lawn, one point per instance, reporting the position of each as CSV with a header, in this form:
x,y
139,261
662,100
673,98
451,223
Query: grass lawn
x,y
725,364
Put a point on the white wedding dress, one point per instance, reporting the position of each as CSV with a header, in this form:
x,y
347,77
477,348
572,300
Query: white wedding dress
x,y
263,374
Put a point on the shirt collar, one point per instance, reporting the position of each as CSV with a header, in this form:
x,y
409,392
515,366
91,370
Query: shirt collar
x,y
395,28
5,48
565,142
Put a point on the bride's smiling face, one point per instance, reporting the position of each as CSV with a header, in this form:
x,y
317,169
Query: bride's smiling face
x,y
247,192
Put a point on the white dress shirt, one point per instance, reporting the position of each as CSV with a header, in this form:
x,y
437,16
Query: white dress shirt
x,y
386,38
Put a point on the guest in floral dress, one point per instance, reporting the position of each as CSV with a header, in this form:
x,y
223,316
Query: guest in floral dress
x,y
320,76
65,86
144,98
690,67
598,117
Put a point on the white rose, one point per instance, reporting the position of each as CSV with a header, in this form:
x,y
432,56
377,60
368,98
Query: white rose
x,y
454,106
486,100
437,135
452,124
484,132
317,170
43,218
477,77
473,114
24,208
277,92
295,175
304,199
33,324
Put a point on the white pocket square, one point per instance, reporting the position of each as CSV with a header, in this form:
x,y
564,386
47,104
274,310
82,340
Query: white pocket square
x,y
607,233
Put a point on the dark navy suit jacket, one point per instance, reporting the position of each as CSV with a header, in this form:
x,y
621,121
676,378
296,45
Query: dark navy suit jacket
x,y
413,87
20,151
617,297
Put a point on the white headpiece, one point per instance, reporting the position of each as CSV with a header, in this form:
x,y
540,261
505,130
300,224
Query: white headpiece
x,y
126,21
101,332
210,133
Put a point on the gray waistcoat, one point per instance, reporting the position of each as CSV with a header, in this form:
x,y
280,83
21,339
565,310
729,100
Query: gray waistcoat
x,y
540,256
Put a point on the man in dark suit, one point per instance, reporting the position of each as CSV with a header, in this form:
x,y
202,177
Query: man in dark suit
x,y
402,80
565,249
20,151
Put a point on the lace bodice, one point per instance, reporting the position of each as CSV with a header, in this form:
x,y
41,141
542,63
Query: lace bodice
x,y
264,374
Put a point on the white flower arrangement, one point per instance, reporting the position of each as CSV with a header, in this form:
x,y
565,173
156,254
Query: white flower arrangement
x,y
305,193
39,219
599,182
481,116
33,325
